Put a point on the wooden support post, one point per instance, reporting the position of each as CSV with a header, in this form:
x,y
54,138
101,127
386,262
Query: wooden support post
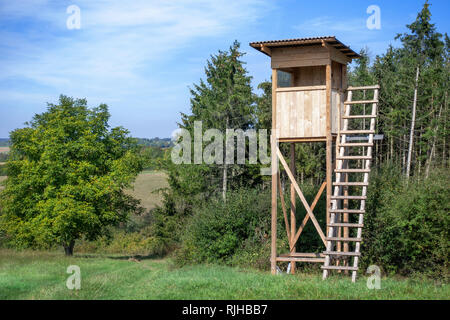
x,y
274,148
293,206
329,143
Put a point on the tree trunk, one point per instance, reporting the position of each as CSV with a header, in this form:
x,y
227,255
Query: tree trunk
x,y
224,183
433,147
392,147
68,248
444,159
413,122
403,154
419,154
224,175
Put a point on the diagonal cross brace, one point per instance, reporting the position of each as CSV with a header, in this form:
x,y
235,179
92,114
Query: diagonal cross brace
x,y
302,197
305,220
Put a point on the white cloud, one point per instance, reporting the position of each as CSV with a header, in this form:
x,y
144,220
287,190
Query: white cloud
x,y
118,38
120,51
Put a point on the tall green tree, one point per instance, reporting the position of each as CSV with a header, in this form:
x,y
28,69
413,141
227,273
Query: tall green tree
x,y
66,176
223,100
414,80
362,74
264,106
421,48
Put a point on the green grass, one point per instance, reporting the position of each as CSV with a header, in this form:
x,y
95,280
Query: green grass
x,y
42,275
147,182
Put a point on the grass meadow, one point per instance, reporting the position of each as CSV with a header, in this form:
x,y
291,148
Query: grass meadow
x,y
42,275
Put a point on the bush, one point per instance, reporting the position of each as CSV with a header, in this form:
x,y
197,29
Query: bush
x,y
122,242
407,225
218,230
238,232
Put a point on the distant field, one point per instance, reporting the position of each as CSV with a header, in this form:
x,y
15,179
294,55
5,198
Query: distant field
x,y
146,183
42,275
4,149
2,178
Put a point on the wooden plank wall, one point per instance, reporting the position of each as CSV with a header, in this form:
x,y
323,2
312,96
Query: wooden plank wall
x,y
301,113
337,97
288,57
309,76
337,77
301,109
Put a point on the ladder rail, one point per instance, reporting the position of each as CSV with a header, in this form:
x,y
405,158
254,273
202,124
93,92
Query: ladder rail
x,y
364,188
342,159
336,188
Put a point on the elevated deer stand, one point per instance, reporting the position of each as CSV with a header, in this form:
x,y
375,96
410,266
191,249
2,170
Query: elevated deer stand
x,y
311,108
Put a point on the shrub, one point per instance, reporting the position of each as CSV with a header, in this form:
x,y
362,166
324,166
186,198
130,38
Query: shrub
x,y
238,232
122,242
408,224
217,230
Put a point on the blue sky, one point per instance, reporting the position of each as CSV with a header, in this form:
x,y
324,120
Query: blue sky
x,y
140,56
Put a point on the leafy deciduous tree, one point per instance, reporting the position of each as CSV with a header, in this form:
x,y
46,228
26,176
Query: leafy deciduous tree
x,y
66,176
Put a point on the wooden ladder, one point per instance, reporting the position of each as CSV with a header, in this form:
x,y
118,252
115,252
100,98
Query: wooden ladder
x,y
340,214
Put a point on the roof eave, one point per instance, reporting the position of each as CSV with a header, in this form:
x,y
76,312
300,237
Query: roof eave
x,y
305,41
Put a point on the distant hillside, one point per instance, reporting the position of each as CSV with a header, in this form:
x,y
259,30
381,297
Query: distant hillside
x,y
4,142
155,142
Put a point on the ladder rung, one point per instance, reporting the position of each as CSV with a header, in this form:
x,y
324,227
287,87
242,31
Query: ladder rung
x,y
347,211
350,183
348,197
356,144
303,255
357,132
363,88
359,116
353,158
352,170
341,253
345,224
361,102
340,268
343,239
298,259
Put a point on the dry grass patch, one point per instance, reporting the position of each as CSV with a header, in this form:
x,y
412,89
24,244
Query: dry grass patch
x,y
146,183
2,178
